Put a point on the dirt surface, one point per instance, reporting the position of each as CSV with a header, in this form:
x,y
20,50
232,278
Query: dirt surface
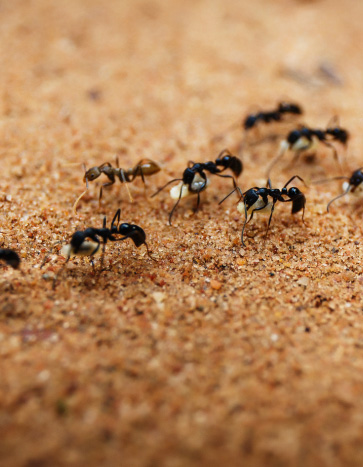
x,y
216,354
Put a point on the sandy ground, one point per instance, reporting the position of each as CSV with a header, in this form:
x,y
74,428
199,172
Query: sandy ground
x,y
217,354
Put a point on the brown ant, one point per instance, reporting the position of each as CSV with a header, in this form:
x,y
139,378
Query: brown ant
x,y
143,168
10,257
305,138
194,179
264,199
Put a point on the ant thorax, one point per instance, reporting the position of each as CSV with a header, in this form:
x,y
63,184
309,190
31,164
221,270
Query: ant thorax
x,y
259,205
198,184
87,248
356,190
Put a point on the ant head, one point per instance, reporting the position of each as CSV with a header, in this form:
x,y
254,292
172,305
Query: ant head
x,y
338,134
134,232
92,174
229,161
292,192
250,122
77,240
10,257
125,229
290,108
293,136
356,178
188,175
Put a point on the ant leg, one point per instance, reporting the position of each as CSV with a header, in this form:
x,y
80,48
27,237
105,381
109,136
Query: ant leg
x,y
269,220
335,153
162,188
59,273
228,176
149,253
198,202
101,190
102,256
244,225
49,253
191,163
175,205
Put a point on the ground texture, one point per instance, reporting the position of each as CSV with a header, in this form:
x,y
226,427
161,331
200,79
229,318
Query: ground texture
x,y
216,354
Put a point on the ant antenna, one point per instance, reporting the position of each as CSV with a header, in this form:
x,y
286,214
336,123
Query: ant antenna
x,y
162,188
79,198
231,193
292,178
339,196
325,180
50,251
283,148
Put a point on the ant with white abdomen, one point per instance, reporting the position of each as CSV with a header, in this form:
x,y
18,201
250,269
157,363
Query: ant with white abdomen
x,y
264,199
305,138
194,179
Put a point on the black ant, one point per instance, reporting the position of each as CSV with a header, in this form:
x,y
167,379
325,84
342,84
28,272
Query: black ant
x,y
354,184
88,242
10,257
272,115
143,168
306,138
194,179
257,199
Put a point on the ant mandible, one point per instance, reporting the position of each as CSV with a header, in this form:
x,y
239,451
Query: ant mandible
x,y
143,168
305,138
354,185
10,257
264,199
194,179
272,115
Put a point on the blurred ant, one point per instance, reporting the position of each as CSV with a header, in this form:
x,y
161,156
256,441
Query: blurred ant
x,y
194,179
271,116
264,199
143,168
354,185
306,138
10,257
88,242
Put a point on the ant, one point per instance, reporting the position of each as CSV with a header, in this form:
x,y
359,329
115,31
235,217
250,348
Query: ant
x,y
87,242
143,168
194,179
272,115
10,257
354,184
257,199
306,138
